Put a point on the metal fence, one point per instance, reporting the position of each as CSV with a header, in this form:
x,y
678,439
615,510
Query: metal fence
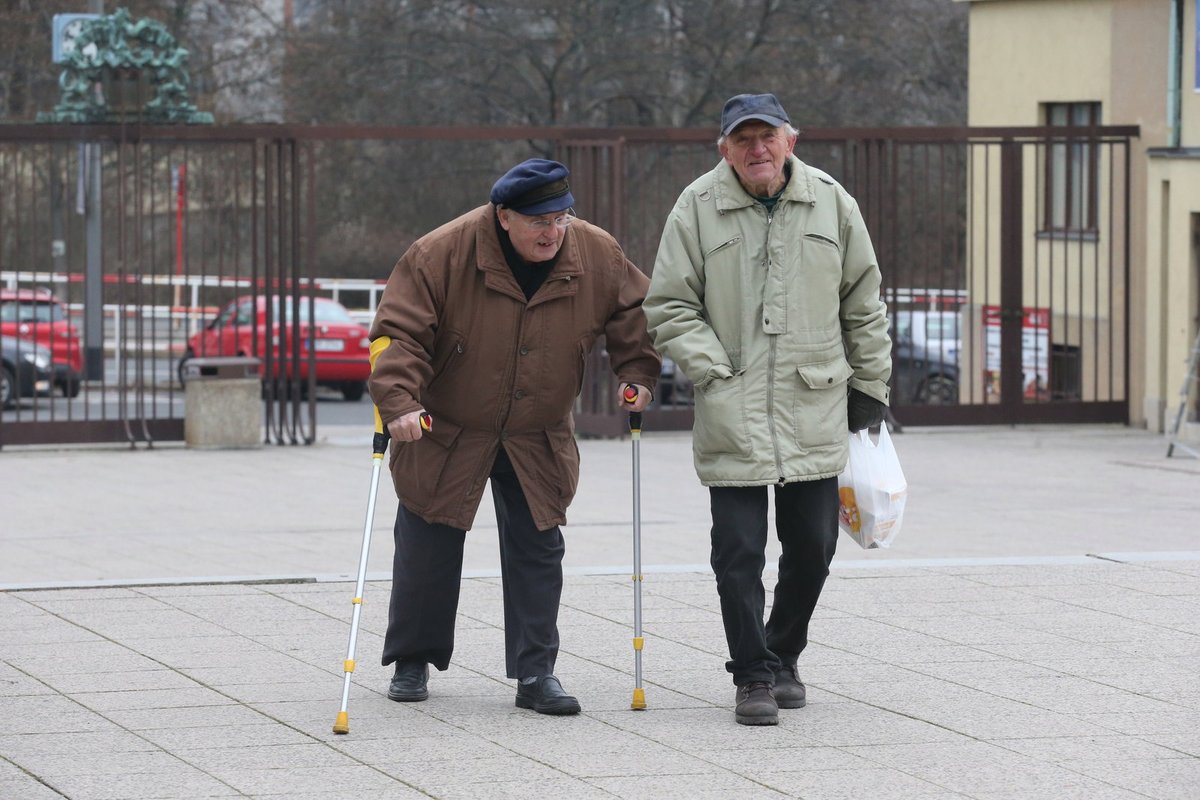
x,y
1005,251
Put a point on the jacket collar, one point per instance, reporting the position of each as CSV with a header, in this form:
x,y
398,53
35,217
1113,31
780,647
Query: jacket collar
x,y
489,259
730,194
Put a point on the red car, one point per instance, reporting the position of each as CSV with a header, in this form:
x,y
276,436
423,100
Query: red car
x,y
36,315
341,348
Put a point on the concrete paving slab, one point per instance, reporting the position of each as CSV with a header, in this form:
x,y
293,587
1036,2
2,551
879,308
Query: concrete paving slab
x,y
1024,639
178,782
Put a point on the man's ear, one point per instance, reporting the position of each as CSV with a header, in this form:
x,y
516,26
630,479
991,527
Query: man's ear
x,y
724,148
502,215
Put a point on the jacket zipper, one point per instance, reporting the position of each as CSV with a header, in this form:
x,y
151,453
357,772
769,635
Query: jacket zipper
x,y
771,346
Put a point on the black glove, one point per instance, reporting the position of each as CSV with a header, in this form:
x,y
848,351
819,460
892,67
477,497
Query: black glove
x,y
863,411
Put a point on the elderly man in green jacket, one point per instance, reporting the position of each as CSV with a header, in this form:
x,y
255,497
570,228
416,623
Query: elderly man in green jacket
x,y
766,293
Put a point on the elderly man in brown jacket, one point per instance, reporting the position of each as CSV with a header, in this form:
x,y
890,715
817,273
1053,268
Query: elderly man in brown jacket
x,y
491,318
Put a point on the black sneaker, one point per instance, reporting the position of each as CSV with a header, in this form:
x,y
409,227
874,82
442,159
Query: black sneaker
x,y
546,696
789,689
410,684
756,705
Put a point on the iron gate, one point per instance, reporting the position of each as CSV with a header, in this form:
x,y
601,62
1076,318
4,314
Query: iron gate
x,y
136,236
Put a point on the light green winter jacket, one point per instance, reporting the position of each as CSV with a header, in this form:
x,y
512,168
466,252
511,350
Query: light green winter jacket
x,y
772,317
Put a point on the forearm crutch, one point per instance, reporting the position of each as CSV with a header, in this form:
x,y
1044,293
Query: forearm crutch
x,y
635,432
378,448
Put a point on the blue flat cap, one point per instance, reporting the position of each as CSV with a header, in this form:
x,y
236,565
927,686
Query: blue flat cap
x,y
742,107
534,187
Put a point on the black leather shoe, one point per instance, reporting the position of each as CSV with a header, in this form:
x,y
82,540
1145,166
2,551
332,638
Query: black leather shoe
x,y
546,696
410,684
756,704
789,689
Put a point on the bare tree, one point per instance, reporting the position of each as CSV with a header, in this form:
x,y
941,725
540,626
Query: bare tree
x,y
479,63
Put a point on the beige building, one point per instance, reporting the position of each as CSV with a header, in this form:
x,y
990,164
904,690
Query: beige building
x,y
1106,62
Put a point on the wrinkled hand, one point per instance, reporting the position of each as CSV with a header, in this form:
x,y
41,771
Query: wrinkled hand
x,y
406,428
644,396
863,411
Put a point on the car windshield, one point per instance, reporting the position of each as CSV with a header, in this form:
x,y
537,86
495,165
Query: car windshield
x,y
325,312
30,311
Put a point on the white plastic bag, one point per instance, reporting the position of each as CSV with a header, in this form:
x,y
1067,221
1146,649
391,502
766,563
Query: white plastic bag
x,y
872,491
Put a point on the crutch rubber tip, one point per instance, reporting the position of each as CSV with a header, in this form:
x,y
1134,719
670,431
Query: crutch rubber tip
x,y
639,700
342,723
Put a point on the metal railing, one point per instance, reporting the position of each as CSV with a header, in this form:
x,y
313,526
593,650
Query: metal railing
x,y
954,212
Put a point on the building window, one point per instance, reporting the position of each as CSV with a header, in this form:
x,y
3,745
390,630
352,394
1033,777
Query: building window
x,y
1071,170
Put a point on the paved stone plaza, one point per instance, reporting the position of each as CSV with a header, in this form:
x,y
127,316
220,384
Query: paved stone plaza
x,y
174,622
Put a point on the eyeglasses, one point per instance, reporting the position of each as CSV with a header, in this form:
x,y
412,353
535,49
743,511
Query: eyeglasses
x,y
542,224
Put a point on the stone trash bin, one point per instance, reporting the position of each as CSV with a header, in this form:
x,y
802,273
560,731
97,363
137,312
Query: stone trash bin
x,y
223,402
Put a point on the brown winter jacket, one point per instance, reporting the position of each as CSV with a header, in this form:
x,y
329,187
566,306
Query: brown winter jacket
x,y
493,369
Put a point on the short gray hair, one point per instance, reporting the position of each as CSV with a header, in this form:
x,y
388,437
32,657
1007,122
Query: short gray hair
x,y
788,128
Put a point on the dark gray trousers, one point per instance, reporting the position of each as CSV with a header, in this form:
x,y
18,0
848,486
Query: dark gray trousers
x,y
427,574
806,524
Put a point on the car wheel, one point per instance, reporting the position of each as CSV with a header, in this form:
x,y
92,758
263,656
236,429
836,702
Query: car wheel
x,y
8,385
353,391
70,387
938,391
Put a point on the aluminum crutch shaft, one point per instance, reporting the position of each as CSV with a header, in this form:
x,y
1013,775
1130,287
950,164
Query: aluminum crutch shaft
x,y
378,447
342,723
635,433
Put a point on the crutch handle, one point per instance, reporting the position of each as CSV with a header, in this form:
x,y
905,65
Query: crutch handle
x,y
630,396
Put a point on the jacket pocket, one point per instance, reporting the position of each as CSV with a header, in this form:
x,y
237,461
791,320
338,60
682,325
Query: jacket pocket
x,y
417,467
820,237
565,453
720,425
583,349
819,410
727,243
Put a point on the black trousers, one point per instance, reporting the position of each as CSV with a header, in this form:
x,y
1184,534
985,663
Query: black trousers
x,y
806,524
427,574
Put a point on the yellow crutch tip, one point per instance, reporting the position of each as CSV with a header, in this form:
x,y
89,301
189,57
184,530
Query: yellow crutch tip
x,y
639,700
342,723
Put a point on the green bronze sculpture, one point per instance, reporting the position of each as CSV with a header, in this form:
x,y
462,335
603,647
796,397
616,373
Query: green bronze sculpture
x,y
119,70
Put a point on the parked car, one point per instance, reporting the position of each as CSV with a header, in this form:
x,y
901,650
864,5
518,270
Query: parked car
x,y
341,348
38,316
25,370
926,350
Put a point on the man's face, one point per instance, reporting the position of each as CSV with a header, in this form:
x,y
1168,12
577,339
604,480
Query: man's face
x,y
535,238
757,152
